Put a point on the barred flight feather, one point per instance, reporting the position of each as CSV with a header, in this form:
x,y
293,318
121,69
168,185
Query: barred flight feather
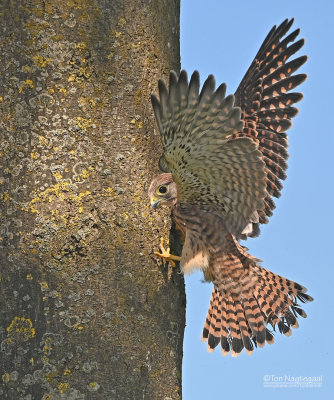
x,y
263,96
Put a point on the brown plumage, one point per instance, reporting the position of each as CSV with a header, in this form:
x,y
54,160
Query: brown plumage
x,y
224,159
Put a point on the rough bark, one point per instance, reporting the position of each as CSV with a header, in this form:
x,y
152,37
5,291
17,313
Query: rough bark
x,y
86,311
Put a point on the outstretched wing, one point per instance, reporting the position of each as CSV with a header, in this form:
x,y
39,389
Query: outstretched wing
x,y
211,169
267,107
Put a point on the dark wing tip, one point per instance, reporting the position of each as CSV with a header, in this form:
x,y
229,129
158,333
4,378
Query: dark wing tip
x,y
183,76
195,75
154,100
194,83
173,73
300,78
172,79
157,110
161,85
209,82
156,106
302,60
208,87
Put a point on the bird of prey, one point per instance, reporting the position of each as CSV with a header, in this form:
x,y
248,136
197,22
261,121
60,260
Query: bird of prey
x,y
224,159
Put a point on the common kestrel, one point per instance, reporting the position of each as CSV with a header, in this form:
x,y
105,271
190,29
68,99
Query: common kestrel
x,y
224,158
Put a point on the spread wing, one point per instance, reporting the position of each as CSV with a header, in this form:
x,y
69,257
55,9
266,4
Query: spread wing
x,y
267,107
212,168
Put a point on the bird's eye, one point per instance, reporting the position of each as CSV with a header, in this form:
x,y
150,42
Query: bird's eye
x,y
162,189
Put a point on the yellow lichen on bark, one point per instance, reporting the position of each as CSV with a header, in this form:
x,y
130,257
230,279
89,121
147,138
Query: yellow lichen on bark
x,y
21,329
77,232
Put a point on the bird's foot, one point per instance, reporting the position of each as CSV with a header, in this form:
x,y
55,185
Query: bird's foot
x,y
165,254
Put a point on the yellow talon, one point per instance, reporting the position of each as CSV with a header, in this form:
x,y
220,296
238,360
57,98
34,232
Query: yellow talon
x,y
166,254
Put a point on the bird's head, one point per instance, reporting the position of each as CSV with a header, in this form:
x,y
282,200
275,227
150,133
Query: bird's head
x,y
162,190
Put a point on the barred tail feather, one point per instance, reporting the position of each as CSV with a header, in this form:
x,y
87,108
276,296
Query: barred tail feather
x,y
241,321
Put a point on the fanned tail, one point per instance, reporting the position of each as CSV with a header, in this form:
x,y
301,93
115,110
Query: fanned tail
x,y
248,300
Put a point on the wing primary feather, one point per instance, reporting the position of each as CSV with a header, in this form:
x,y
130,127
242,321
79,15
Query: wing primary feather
x,y
192,101
284,71
266,104
207,90
164,96
173,98
283,86
276,36
273,37
183,89
285,100
157,111
194,85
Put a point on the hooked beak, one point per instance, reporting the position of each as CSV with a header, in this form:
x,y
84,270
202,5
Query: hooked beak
x,y
154,202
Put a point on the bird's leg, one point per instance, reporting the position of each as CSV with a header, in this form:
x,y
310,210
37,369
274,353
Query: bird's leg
x,y
166,254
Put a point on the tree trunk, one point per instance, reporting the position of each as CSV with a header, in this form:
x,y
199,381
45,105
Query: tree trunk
x,y
86,311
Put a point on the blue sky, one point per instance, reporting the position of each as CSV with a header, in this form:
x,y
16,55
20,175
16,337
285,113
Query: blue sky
x,y
222,37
